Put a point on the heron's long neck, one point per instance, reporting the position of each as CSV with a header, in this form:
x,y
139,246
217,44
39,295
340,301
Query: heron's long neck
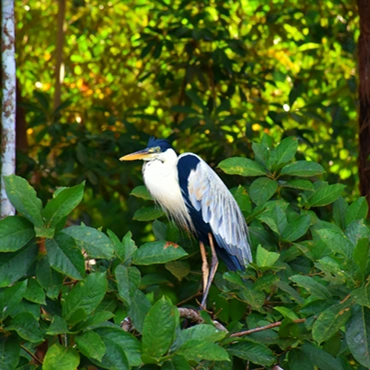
x,y
161,179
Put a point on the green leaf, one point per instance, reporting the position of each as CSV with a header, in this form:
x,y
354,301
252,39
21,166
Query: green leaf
x,y
159,230
262,190
61,358
57,326
321,358
285,151
358,210
312,286
183,109
100,316
242,198
242,166
330,321
265,258
15,233
63,204
176,363
125,249
10,297
303,169
297,228
91,345
361,254
159,328
9,352
262,154
286,312
84,298
34,292
128,280
275,218
24,199
180,269
197,350
93,241
203,332
138,309
148,213
114,358
15,265
254,298
141,191
340,207
291,292
362,295
195,98
65,257
254,352
130,345
358,336
326,195
27,327
48,278
157,252
299,184
298,360
336,241
356,231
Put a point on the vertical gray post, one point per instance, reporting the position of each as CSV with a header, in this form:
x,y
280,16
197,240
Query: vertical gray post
x,y
8,101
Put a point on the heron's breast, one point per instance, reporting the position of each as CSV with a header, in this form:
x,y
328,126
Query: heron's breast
x,y
163,184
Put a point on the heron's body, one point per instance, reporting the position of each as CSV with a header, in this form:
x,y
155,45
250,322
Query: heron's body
x,y
198,201
195,198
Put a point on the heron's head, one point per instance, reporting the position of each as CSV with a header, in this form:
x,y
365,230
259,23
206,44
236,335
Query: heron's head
x,y
156,149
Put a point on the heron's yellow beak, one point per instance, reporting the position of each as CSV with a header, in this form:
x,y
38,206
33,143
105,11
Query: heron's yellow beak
x,y
141,154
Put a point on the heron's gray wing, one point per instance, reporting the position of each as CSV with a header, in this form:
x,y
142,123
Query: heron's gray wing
x,y
210,196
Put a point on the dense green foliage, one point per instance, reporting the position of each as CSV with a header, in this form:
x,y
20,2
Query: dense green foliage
x,y
222,79
213,75
71,288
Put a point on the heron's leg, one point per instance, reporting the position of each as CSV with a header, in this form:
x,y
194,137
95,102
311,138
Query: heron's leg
x,y
212,273
205,267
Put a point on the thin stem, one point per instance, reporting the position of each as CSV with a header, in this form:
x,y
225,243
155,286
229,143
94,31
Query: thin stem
x,y
262,328
31,354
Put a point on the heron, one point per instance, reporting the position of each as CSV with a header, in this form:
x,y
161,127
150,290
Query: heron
x,y
196,199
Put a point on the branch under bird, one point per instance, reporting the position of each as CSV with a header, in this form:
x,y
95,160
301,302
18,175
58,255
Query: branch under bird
x,y
196,199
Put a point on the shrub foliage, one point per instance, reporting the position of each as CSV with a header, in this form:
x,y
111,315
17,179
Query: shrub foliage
x,y
79,298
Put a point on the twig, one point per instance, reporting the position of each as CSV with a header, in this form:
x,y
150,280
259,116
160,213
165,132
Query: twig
x,y
197,294
345,299
262,328
31,354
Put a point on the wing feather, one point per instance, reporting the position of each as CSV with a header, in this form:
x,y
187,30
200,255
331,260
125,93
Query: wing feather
x,y
218,208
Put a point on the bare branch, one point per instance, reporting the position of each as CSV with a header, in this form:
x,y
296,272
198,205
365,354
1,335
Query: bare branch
x,y
262,328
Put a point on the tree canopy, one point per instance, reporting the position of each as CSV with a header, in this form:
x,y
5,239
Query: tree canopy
x,y
213,76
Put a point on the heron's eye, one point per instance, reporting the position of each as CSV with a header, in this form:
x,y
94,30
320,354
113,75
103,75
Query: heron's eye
x,y
156,149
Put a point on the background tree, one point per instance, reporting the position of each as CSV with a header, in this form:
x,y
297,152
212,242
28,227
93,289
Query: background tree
x,y
8,95
214,76
364,97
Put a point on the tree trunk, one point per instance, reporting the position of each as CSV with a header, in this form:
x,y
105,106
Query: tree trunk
x,y
8,101
364,97
59,67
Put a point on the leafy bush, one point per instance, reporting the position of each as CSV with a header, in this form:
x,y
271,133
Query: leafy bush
x,y
77,297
